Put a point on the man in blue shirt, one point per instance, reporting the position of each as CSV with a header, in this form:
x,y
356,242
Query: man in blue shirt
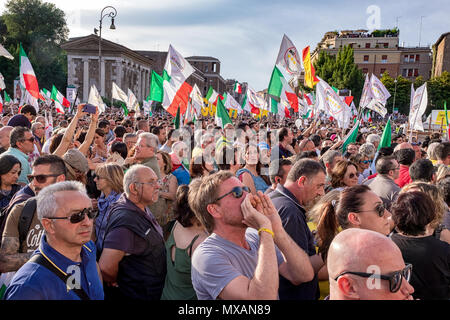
x,y
305,182
22,144
65,212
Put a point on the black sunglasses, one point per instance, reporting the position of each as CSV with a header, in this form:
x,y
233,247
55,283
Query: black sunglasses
x,y
41,178
394,278
29,139
379,209
237,192
78,216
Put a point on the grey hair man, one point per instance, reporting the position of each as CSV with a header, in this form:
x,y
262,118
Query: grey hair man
x,y
146,148
361,264
373,139
383,184
329,159
133,255
65,212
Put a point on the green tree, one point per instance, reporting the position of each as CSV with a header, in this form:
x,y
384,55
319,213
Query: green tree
x,y
41,28
340,71
438,91
401,92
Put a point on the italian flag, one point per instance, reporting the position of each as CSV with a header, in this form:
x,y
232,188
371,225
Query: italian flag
x,y
237,87
1,103
351,136
278,87
7,98
280,108
222,117
59,100
171,89
28,79
252,102
212,96
178,120
386,137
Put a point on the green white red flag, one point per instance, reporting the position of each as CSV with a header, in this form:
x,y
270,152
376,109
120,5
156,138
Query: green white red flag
x,y
279,88
28,79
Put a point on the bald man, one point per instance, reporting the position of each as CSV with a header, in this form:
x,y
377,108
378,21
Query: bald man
x,y
357,258
4,138
403,145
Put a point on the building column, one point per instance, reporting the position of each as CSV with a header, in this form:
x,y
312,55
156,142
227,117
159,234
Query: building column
x,y
119,73
102,78
85,79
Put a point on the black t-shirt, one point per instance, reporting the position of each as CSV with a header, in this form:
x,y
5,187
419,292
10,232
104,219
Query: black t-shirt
x,y
430,258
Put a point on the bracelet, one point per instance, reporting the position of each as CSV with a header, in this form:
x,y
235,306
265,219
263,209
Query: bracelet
x,y
266,230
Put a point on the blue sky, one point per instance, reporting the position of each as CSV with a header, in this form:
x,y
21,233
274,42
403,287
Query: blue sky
x,y
245,35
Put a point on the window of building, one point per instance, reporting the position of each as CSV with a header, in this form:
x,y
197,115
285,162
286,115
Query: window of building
x,y
386,45
214,67
368,45
410,72
406,58
382,71
417,57
366,58
404,72
384,58
416,72
206,68
351,45
411,58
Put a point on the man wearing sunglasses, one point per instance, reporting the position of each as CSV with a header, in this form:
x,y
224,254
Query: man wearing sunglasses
x,y
241,259
64,266
23,230
21,146
366,265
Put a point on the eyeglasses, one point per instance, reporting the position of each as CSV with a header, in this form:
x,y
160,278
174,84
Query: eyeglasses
x,y
153,183
394,278
379,209
78,216
41,178
237,192
366,161
395,169
30,139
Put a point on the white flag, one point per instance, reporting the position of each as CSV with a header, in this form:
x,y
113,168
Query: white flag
x,y
418,108
288,60
96,99
379,91
132,102
5,53
231,103
2,82
377,106
329,101
118,93
366,95
196,99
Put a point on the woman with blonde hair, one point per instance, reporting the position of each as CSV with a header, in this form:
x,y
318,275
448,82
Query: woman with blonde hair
x,y
109,180
442,172
168,188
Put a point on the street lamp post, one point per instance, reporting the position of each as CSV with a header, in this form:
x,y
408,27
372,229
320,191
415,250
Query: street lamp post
x,y
112,14
395,93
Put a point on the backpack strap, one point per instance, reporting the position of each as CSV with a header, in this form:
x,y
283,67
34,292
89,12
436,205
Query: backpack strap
x,y
43,261
26,216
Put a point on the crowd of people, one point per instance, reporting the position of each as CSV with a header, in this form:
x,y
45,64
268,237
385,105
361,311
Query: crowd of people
x,y
131,207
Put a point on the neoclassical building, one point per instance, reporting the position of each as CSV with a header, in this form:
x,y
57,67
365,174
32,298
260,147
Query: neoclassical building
x,y
125,67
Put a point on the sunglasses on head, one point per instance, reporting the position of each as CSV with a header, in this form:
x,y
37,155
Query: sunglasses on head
x,y
78,216
41,178
379,209
394,278
237,192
